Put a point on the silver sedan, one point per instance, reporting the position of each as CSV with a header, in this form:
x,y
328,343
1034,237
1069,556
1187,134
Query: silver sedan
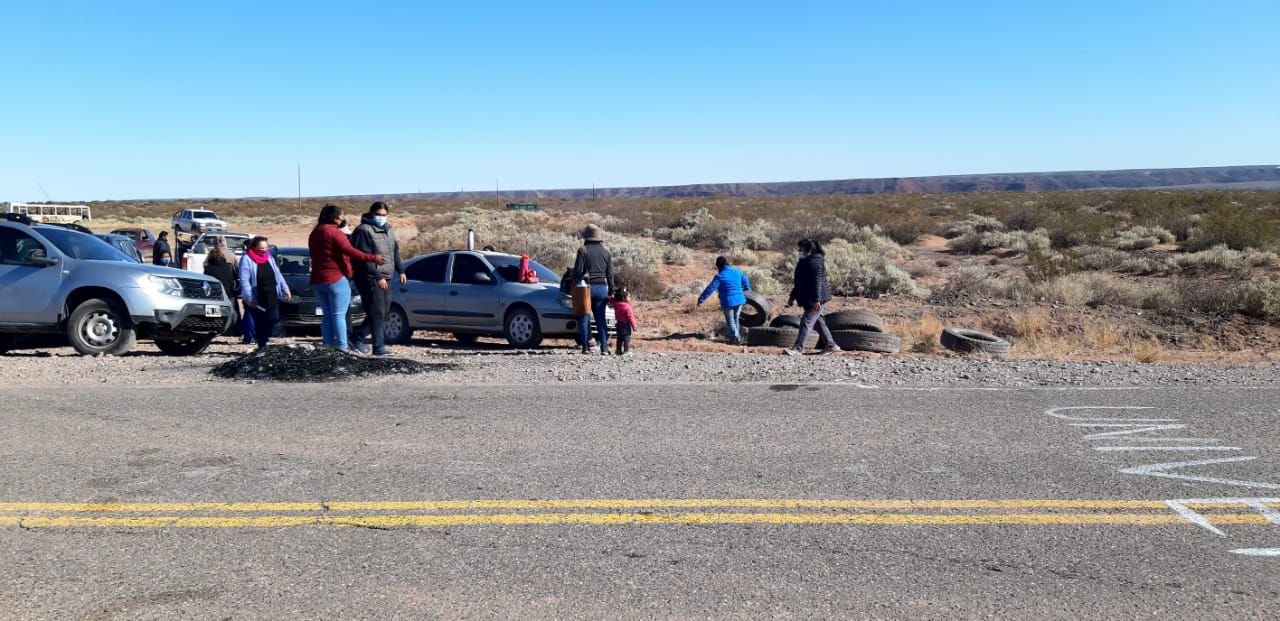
x,y
474,294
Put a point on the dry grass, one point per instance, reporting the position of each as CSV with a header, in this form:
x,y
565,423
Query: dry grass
x,y
919,336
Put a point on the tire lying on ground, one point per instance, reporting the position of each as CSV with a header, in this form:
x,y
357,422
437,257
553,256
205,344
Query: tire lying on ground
x,y
864,340
785,321
755,312
777,337
973,341
865,321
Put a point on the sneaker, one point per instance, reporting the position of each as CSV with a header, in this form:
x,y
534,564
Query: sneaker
x,y
358,347
831,349
381,351
628,353
586,351
605,352
791,351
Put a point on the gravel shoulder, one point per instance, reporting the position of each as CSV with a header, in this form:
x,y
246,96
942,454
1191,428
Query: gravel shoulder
x,y
57,366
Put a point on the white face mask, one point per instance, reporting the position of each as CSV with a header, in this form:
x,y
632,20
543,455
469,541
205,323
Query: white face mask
x,y
380,220
799,254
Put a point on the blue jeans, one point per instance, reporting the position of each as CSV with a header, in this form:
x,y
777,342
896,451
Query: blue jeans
x,y
333,301
731,314
599,303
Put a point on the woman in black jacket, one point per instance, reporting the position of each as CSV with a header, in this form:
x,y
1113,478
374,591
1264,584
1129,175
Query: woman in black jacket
x,y
219,267
811,292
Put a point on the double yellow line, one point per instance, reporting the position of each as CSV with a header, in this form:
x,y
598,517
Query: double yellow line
x,y
611,512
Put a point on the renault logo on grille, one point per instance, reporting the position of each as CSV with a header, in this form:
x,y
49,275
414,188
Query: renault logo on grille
x,y
208,290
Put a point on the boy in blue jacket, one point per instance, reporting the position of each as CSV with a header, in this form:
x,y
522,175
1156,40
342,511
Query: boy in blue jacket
x,y
732,285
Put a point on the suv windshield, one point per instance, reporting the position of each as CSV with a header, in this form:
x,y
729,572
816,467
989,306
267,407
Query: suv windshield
x,y
204,215
509,269
82,246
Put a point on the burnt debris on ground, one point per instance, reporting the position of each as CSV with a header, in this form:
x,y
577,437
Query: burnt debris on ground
x,y
308,363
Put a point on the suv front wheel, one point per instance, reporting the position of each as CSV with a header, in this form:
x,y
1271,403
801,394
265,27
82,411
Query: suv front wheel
x,y
99,327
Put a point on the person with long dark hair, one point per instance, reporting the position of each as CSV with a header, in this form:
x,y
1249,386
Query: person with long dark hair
x,y
811,291
219,267
331,255
262,286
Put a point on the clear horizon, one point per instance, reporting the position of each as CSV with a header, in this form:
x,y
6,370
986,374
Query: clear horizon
x,y
137,100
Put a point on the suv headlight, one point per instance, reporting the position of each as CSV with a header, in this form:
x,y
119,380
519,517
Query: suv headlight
x,y
566,302
166,285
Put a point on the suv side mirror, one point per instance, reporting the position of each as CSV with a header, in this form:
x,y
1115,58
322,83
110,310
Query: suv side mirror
x,y
483,278
38,258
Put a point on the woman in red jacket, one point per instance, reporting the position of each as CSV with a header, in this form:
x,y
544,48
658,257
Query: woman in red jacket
x,y
331,254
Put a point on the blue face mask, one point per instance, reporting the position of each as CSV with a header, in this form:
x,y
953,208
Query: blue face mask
x,y
166,261
380,220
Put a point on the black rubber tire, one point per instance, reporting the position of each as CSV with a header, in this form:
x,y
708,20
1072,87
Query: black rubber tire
x,y
865,340
185,347
865,321
785,321
100,327
522,329
395,329
755,312
974,342
466,338
6,343
777,337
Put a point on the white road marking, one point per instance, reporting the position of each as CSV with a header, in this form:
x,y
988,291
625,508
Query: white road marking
x,y
1159,470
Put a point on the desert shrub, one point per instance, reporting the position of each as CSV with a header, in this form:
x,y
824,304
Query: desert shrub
x,y
1095,258
673,254
701,229
974,282
677,293
1043,265
974,224
1014,241
1220,299
1234,225
1139,237
1067,230
859,269
1091,288
1221,257
742,257
642,283
944,262
1261,299
763,281
907,228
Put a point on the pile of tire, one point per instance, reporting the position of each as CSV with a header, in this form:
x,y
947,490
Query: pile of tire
x,y
852,330
974,342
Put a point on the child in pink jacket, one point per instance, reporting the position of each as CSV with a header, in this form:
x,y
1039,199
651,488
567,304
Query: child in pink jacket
x,y
626,319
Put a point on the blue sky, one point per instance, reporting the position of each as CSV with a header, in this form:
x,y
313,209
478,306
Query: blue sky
x,y
128,100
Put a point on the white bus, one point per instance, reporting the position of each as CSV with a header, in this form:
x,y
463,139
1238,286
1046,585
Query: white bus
x,y
46,212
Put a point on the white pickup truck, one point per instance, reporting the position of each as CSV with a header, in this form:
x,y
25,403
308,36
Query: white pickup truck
x,y
192,256
196,221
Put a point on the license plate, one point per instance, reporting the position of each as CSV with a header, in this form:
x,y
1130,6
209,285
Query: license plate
x,y
213,311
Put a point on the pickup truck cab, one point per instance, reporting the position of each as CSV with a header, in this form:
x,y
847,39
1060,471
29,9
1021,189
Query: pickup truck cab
x,y
61,281
196,221
194,255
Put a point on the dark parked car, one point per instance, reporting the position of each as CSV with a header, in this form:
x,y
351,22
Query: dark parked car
x,y
142,238
301,311
123,244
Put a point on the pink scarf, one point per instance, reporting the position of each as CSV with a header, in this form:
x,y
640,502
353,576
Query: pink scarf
x,y
258,256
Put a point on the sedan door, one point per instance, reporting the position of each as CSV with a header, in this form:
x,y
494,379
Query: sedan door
x,y
473,293
423,295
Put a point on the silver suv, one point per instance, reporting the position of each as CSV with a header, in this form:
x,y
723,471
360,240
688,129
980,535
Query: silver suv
x,y
60,281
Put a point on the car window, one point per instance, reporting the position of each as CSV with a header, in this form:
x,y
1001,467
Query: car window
x,y
509,269
16,246
82,246
294,264
203,214
428,269
466,267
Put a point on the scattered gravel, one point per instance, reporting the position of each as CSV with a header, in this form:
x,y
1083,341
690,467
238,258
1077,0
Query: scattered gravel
x,y
492,364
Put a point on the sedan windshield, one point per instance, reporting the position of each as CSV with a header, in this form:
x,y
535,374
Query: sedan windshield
x,y
509,269
81,246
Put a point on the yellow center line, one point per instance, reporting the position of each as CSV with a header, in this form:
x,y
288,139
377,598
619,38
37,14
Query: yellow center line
x,y
545,519
596,504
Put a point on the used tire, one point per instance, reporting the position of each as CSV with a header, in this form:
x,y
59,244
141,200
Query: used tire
x,y
6,343
755,312
865,340
395,329
777,337
785,321
100,327
973,341
185,347
522,329
865,321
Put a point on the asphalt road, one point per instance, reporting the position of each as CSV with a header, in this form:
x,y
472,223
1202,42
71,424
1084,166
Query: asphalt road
x,y
638,501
